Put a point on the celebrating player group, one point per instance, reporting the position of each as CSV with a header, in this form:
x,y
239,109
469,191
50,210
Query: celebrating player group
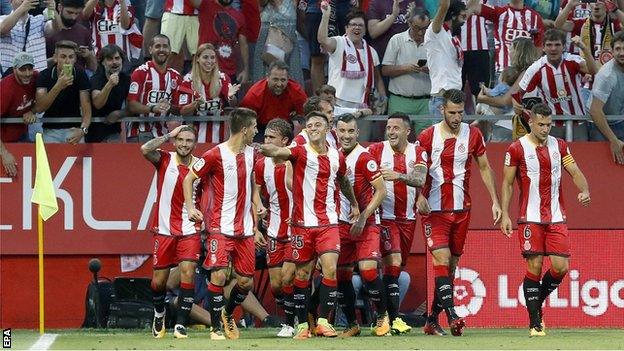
x,y
316,207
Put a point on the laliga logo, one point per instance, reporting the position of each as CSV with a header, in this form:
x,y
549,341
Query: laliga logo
x,y
469,292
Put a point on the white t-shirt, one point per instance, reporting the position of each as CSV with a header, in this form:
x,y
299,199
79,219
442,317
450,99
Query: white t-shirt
x,y
403,50
351,90
443,62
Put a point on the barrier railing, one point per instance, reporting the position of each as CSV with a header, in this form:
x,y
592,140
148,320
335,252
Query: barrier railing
x,y
569,120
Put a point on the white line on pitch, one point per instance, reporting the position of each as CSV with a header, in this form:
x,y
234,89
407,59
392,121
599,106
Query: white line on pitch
x,y
44,342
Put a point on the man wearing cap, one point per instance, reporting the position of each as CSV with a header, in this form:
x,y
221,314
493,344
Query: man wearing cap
x,y
18,98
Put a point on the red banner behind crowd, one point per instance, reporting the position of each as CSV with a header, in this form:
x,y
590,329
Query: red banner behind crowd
x,y
488,282
106,193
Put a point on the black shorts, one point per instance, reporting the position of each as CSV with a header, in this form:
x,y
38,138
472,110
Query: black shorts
x,y
312,23
476,69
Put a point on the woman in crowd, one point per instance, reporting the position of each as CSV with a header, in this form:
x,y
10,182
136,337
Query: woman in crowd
x,y
281,14
206,91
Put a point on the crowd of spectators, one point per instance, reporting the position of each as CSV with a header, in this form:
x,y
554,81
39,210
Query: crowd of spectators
x,y
117,58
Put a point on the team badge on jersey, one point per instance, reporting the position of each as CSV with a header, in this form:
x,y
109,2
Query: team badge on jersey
x,y
134,88
197,166
371,166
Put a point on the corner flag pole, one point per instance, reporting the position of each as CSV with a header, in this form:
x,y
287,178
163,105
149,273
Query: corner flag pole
x,y
41,290
44,195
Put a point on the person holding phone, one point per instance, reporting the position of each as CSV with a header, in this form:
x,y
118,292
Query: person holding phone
x,y
63,91
405,63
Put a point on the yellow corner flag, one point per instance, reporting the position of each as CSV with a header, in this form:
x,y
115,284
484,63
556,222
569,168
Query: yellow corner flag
x,y
45,196
44,193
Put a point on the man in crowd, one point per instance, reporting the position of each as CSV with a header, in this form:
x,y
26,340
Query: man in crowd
x,y
547,76
275,180
542,229
474,42
176,236
14,38
405,62
276,96
445,201
312,21
18,99
231,225
353,65
444,53
608,99
151,88
317,170
109,90
114,22
359,241
403,167
63,91
507,27
70,29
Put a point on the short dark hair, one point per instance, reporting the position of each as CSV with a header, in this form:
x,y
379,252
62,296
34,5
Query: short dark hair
x,y
65,44
554,34
347,118
402,116
541,109
279,125
619,36
355,13
313,103
188,128
278,64
78,4
240,118
109,51
455,96
326,89
316,114
159,35
454,10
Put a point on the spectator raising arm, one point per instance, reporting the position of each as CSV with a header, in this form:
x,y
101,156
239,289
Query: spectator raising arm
x,y
438,20
327,43
376,27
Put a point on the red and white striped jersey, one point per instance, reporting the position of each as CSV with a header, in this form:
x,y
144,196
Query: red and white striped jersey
x,y
106,29
400,201
560,86
302,139
207,132
314,186
228,177
362,169
181,7
474,34
581,11
171,216
448,179
148,86
538,172
271,178
509,24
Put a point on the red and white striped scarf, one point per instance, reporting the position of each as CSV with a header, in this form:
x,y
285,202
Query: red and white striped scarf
x,y
352,65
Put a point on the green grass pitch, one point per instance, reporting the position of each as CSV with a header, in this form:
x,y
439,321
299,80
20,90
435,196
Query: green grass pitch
x,y
263,339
